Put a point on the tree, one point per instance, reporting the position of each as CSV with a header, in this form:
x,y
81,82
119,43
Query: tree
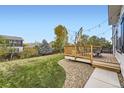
x,y
45,48
61,37
96,41
52,44
108,44
103,41
2,40
3,51
85,39
81,39
3,48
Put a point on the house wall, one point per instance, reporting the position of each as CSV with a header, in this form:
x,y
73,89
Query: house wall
x,y
17,48
114,31
20,48
119,56
17,44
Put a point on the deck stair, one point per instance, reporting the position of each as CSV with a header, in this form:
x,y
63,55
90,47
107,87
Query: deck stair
x,y
108,66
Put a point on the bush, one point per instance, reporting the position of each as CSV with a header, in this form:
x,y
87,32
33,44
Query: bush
x,y
45,48
29,52
3,53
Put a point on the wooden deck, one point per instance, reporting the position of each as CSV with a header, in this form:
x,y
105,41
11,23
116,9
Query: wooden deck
x,y
107,58
107,61
85,54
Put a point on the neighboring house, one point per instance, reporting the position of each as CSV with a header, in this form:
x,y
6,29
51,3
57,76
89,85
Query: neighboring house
x,y
116,19
14,42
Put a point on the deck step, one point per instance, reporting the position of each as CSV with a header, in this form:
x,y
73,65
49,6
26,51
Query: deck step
x,y
108,66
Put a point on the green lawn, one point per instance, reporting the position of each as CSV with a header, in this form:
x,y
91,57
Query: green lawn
x,y
38,72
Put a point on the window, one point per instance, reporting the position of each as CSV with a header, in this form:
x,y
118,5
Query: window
x,y
120,38
116,38
122,34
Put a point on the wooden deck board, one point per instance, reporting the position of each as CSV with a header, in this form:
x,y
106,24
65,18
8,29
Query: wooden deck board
x,y
107,61
107,58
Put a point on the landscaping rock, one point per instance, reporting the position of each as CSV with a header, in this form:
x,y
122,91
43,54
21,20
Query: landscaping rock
x,y
121,80
77,73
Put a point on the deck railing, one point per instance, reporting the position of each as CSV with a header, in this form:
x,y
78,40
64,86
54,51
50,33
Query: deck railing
x,y
85,52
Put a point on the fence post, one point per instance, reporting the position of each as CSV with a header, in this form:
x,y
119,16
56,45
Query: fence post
x,y
91,54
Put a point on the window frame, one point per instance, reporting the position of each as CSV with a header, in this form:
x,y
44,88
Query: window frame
x,y
122,33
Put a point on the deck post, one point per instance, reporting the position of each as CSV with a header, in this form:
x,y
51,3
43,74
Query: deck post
x,y
75,51
64,50
91,57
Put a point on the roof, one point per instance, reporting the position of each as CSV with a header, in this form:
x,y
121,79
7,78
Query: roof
x,y
11,37
113,13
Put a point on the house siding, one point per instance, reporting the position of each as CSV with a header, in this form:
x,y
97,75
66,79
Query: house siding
x,y
120,57
19,48
14,42
115,29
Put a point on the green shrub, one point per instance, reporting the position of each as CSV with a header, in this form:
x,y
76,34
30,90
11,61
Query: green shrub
x,y
3,53
29,52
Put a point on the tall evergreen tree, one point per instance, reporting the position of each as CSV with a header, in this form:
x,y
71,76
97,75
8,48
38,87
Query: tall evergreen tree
x,y
45,48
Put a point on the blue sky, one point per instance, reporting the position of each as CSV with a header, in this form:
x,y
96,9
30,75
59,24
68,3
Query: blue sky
x,y
35,23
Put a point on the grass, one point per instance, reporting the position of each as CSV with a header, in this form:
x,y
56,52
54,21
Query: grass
x,y
38,72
